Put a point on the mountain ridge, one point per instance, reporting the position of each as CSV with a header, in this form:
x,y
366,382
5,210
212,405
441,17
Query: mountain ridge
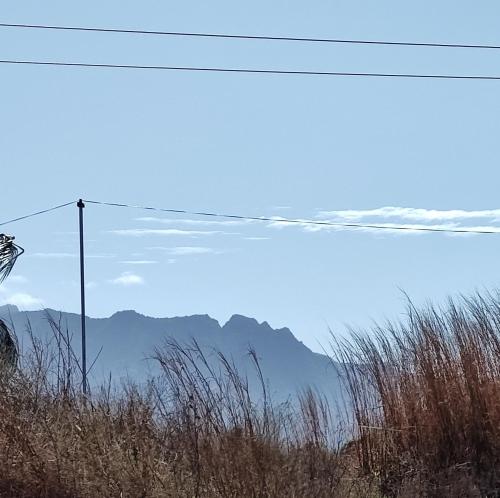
x,y
125,340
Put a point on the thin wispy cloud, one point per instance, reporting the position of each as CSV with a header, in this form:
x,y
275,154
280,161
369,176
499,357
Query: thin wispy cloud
x,y
186,221
413,214
280,222
23,300
53,255
166,232
189,251
139,262
184,250
411,220
68,255
128,279
416,228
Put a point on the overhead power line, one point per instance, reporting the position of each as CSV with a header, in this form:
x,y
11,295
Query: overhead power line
x,y
258,218
252,37
43,211
251,71
292,221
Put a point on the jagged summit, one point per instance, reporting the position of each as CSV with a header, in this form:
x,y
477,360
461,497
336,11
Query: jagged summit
x,y
126,314
123,342
240,323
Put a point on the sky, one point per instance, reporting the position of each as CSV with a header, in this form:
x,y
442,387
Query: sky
x,y
363,150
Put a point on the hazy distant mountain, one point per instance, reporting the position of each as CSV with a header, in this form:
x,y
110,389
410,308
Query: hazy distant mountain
x,y
127,338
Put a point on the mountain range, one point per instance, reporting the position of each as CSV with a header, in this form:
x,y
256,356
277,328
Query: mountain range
x,y
125,342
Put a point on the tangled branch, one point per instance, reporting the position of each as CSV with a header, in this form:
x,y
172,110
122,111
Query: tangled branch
x,y
9,252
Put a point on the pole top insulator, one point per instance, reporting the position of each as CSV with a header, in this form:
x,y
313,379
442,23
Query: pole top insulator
x,y
80,203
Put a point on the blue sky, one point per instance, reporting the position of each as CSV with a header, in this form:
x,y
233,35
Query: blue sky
x,y
307,147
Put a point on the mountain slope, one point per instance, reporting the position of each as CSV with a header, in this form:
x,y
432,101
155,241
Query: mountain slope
x,y
126,339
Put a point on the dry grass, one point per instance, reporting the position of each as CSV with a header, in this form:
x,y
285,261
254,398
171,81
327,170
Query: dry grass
x,y
426,400
426,421
193,432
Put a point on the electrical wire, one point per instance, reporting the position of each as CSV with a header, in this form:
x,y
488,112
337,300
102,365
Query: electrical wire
x,y
251,71
36,213
252,37
293,221
260,218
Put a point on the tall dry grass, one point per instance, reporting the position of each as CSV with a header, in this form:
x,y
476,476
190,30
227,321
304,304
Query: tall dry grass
x,y
193,432
426,400
425,396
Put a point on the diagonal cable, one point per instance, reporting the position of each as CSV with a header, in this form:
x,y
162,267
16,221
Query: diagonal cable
x,y
293,221
43,211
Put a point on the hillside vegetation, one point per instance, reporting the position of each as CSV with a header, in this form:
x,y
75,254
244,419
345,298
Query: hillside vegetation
x,y
423,420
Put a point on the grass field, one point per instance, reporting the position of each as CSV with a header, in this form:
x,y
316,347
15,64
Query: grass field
x,y
425,421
